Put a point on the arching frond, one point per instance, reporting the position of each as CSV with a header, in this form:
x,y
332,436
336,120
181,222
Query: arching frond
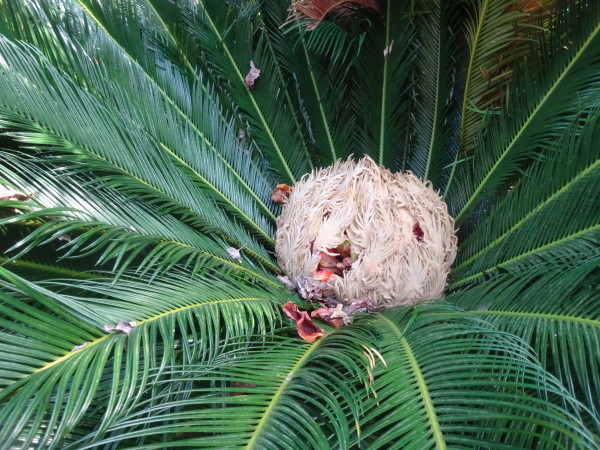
x,y
543,100
451,380
113,67
58,358
328,122
556,312
434,91
414,388
494,46
382,71
121,230
226,35
548,218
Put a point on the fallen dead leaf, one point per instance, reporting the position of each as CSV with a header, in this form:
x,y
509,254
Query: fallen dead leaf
x,y
123,327
281,193
252,76
306,328
331,316
234,252
388,49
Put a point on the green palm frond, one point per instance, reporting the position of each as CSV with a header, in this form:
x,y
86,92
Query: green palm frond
x,y
494,47
328,127
382,70
543,99
144,159
226,35
557,314
57,381
434,91
437,357
101,221
529,227
246,396
262,385
204,136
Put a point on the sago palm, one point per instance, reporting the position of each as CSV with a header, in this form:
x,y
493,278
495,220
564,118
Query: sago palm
x,y
140,295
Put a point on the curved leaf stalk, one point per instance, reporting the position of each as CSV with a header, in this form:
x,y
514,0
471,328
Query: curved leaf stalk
x,y
251,444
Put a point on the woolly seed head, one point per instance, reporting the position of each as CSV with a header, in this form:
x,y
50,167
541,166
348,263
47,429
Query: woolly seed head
x,y
367,233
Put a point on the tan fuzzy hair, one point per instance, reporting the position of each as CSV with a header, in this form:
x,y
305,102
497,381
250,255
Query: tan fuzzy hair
x,y
377,212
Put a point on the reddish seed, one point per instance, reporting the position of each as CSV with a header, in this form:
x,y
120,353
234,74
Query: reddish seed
x,y
322,275
418,232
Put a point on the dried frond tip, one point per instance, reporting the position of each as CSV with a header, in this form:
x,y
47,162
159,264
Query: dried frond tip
x,y
317,9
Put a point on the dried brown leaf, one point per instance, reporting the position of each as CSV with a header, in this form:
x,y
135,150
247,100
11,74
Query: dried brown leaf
x,y
306,328
234,252
252,76
330,316
317,9
281,193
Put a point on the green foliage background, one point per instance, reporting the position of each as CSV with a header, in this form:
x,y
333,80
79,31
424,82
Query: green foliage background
x,y
129,126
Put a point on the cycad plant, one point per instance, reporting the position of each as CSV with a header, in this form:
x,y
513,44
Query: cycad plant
x,y
140,296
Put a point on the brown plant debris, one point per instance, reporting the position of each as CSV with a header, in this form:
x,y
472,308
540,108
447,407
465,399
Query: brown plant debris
x,y
306,328
234,252
252,76
9,194
281,193
317,9
331,316
122,327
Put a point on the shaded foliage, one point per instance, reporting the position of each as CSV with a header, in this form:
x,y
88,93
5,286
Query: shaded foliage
x,y
143,159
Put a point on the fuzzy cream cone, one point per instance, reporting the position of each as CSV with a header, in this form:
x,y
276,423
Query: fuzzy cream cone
x,y
390,234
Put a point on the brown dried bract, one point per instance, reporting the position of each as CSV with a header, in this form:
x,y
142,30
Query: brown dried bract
x,y
317,9
306,328
7,194
331,316
335,261
252,76
281,193
418,232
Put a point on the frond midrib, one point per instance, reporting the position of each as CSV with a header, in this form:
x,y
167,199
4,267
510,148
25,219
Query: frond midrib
x,y
186,61
423,389
320,102
141,322
212,187
543,316
288,99
224,261
278,393
576,58
257,109
438,99
384,87
542,248
532,213
464,108
184,116
6,261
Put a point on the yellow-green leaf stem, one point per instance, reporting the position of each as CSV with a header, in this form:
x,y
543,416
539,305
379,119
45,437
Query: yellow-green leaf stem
x,y
422,384
278,393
